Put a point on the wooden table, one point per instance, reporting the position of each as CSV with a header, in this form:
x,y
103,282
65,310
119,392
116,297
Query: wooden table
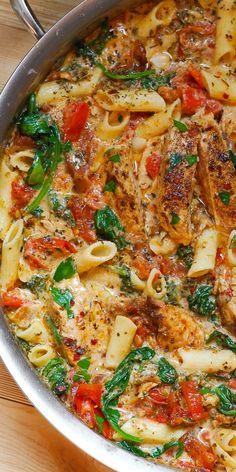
x,y
27,442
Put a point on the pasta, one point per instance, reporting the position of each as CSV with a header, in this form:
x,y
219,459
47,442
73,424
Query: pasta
x,y
205,253
152,432
95,255
127,100
207,360
7,177
118,233
11,248
120,342
225,31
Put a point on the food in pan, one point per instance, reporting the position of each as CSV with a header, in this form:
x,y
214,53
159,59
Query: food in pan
x,y
118,230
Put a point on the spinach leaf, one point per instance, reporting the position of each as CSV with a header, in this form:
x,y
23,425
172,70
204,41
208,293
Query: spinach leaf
x,y
154,82
83,372
166,371
202,301
36,173
55,372
110,186
132,448
125,275
108,226
127,76
60,208
182,127
34,124
36,284
65,270
222,340
54,330
95,47
117,385
172,295
185,253
100,421
158,451
227,404
32,104
63,298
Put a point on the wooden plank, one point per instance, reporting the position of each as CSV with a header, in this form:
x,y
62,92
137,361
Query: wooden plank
x,y
31,444
9,390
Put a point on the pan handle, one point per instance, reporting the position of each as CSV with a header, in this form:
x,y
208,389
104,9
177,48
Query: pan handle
x,y
25,13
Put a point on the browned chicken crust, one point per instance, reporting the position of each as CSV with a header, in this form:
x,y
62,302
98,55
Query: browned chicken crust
x,y
216,175
176,183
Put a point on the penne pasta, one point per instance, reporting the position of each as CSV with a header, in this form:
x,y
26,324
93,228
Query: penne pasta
x,y
129,100
35,333
205,253
22,160
152,432
94,255
156,285
11,248
208,360
159,123
220,86
41,354
161,15
110,128
6,179
225,31
122,336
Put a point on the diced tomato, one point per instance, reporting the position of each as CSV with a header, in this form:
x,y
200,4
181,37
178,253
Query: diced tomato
x,y
153,163
213,106
10,300
107,430
75,117
84,217
90,392
196,75
143,266
200,28
175,411
24,141
162,417
86,410
202,455
54,246
192,100
157,396
21,193
220,256
193,400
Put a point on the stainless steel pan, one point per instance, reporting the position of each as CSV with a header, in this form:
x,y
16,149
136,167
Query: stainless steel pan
x,y
28,74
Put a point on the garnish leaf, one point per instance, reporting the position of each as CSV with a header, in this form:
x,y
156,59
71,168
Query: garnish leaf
x,y
182,127
55,372
65,270
124,273
202,301
175,219
175,159
115,158
108,226
54,330
191,159
225,197
185,253
222,340
110,186
227,404
63,298
166,371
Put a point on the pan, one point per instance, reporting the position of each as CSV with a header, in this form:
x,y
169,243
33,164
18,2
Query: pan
x,y
33,68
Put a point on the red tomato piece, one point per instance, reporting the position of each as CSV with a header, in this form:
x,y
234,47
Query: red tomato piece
x,y
196,75
157,397
90,392
153,163
10,300
176,413
202,455
21,193
194,400
86,410
75,117
232,384
53,246
192,100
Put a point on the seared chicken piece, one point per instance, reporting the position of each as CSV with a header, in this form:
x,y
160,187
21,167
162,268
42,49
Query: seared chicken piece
x,y
178,328
217,178
176,183
126,201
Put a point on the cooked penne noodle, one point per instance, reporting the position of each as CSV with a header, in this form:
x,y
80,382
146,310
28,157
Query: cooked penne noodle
x,y
22,159
6,178
94,255
129,100
225,31
208,360
152,432
122,336
220,87
41,354
55,91
110,128
162,245
156,285
11,248
220,440
160,122
161,15
35,333
205,253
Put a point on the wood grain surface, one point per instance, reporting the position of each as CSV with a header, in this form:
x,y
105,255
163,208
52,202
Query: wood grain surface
x,y
27,442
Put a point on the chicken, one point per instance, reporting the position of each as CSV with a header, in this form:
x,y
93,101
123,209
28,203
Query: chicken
x,y
176,183
217,178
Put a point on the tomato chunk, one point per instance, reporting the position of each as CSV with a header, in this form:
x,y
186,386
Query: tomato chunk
x,y
194,400
47,245
21,194
153,163
90,392
75,117
202,455
157,396
10,300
